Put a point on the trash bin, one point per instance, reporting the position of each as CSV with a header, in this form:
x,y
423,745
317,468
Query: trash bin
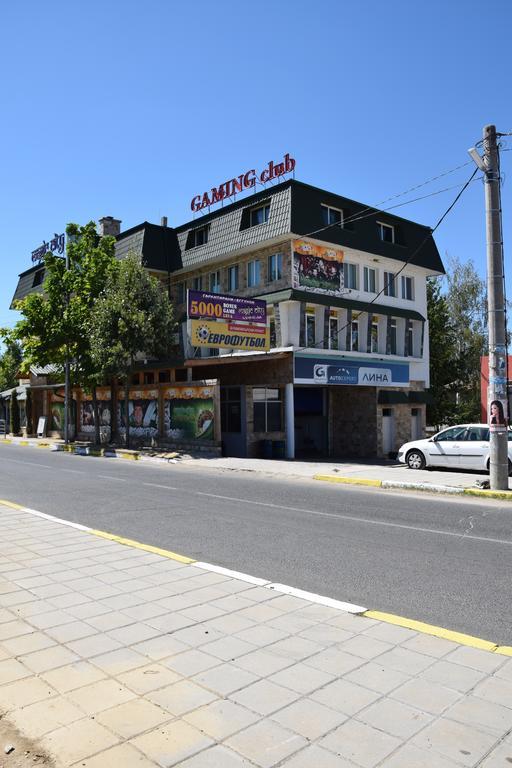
x,y
278,449
266,449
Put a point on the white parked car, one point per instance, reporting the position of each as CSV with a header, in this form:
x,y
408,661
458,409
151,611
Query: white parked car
x,y
465,446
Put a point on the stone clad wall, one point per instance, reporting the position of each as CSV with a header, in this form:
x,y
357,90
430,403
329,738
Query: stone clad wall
x,y
402,418
353,421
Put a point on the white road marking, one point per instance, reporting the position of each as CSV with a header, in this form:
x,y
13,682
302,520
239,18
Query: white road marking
x,y
31,463
233,574
165,487
111,477
362,520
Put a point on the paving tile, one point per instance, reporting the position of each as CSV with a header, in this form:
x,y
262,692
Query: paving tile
x,y
134,633
505,671
225,679
365,646
169,622
500,757
461,743
257,613
389,633
482,714
216,757
345,696
133,717
27,643
68,600
266,743
302,678
144,611
75,630
37,719
376,677
403,660
409,756
475,658
262,662
121,660
73,676
292,623
149,678
394,718
308,718
221,719
197,635
231,623
17,598
51,619
228,648
295,647
99,696
453,676
264,697
493,689
181,697
202,612
316,757
334,660
191,662
429,645
24,692
48,658
78,740
88,610
171,744
325,634
92,646
161,647
430,697
110,620
360,743
123,756
11,670
10,629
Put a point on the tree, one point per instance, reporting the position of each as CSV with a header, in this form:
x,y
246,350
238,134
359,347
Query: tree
x,y
14,411
56,324
443,358
28,413
10,360
133,317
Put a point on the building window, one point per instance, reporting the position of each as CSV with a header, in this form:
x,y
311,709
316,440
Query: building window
x,y
370,280
231,409
374,335
333,332
351,276
392,337
409,340
259,215
215,282
354,336
332,215
389,284
310,330
275,267
197,283
180,293
267,410
136,378
408,288
233,278
253,273
149,377
38,278
180,374
386,232
164,377
197,237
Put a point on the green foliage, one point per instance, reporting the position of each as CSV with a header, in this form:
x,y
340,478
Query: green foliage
x,y
10,361
443,363
14,413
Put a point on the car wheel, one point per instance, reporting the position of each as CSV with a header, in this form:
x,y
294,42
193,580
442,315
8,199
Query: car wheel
x,y
415,459
509,467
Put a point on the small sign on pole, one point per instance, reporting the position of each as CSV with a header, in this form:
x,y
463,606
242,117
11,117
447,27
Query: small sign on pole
x,y
41,426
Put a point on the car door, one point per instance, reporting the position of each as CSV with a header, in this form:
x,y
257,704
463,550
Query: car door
x,y
474,448
445,448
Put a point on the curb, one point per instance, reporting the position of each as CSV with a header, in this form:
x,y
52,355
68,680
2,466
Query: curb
x,y
449,489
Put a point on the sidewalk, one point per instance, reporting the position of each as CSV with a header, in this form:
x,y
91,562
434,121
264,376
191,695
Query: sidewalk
x,y
112,655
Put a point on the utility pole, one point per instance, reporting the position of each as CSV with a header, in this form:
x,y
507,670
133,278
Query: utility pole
x,y
497,390
66,377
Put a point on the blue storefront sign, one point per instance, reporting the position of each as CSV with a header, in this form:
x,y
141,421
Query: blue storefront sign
x,y
337,370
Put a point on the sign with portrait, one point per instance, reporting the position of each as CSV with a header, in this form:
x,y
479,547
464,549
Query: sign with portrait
x,y
189,413
142,413
317,268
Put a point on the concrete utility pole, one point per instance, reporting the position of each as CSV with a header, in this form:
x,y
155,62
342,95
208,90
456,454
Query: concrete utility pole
x,y
498,399
66,380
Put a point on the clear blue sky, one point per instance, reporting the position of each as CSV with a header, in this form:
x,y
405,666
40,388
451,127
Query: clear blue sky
x,y
129,108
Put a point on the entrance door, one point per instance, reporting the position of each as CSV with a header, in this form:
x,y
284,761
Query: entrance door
x,y
416,430
310,422
232,412
388,431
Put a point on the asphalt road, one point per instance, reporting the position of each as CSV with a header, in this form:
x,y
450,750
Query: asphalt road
x,y
443,560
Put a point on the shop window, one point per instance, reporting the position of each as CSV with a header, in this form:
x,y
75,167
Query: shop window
x,y
333,333
197,237
408,288
197,283
253,273
231,409
180,374
354,335
386,232
310,330
351,276
136,378
275,267
215,282
370,280
149,377
332,215
259,215
389,284
267,410
164,377
233,278
374,336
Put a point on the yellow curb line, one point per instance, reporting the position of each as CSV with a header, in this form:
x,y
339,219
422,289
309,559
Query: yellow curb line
x,y
11,504
348,480
6,441
489,494
145,547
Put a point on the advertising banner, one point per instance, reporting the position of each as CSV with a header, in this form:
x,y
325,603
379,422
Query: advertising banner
x,y
498,412
189,413
317,268
217,306
142,413
215,333
342,371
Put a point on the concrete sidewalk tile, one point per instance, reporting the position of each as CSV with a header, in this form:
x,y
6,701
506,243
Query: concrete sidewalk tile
x,y
20,597
264,697
259,613
6,615
160,647
409,662
325,634
144,611
228,648
461,743
216,757
500,757
302,678
11,670
88,610
203,613
51,619
48,658
394,718
335,661
365,646
69,600
133,717
221,719
171,744
376,677
32,581
360,743
296,648
77,741
316,757
181,697
191,662
454,676
308,718
44,716
110,593
409,756
293,624
122,756
437,647
505,671
27,643
169,621
197,635
266,743
263,663
225,679
482,714
345,696
51,590
149,678
24,692
230,624
73,676
134,633
493,689
94,645
482,661
121,660
75,630
430,697
110,620
389,633
318,612
98,696
10,629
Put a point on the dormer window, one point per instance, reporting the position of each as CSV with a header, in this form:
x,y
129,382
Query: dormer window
x,y
38,277
386,232
197,237
332,215
260,215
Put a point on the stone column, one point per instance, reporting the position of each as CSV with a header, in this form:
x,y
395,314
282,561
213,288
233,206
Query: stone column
x,y
290,421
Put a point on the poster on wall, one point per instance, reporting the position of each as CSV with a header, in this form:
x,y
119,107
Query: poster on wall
x,y
87,411
57,415
142,413
498,412
189,413
317,268
217,320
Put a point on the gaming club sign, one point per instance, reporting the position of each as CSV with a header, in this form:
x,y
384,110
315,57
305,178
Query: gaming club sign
x,y
244,181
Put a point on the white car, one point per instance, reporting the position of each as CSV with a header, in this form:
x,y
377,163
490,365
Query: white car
x,y
465,446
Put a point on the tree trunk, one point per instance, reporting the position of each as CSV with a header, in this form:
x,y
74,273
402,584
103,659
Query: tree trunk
x,y
114,426
126,414
96,411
